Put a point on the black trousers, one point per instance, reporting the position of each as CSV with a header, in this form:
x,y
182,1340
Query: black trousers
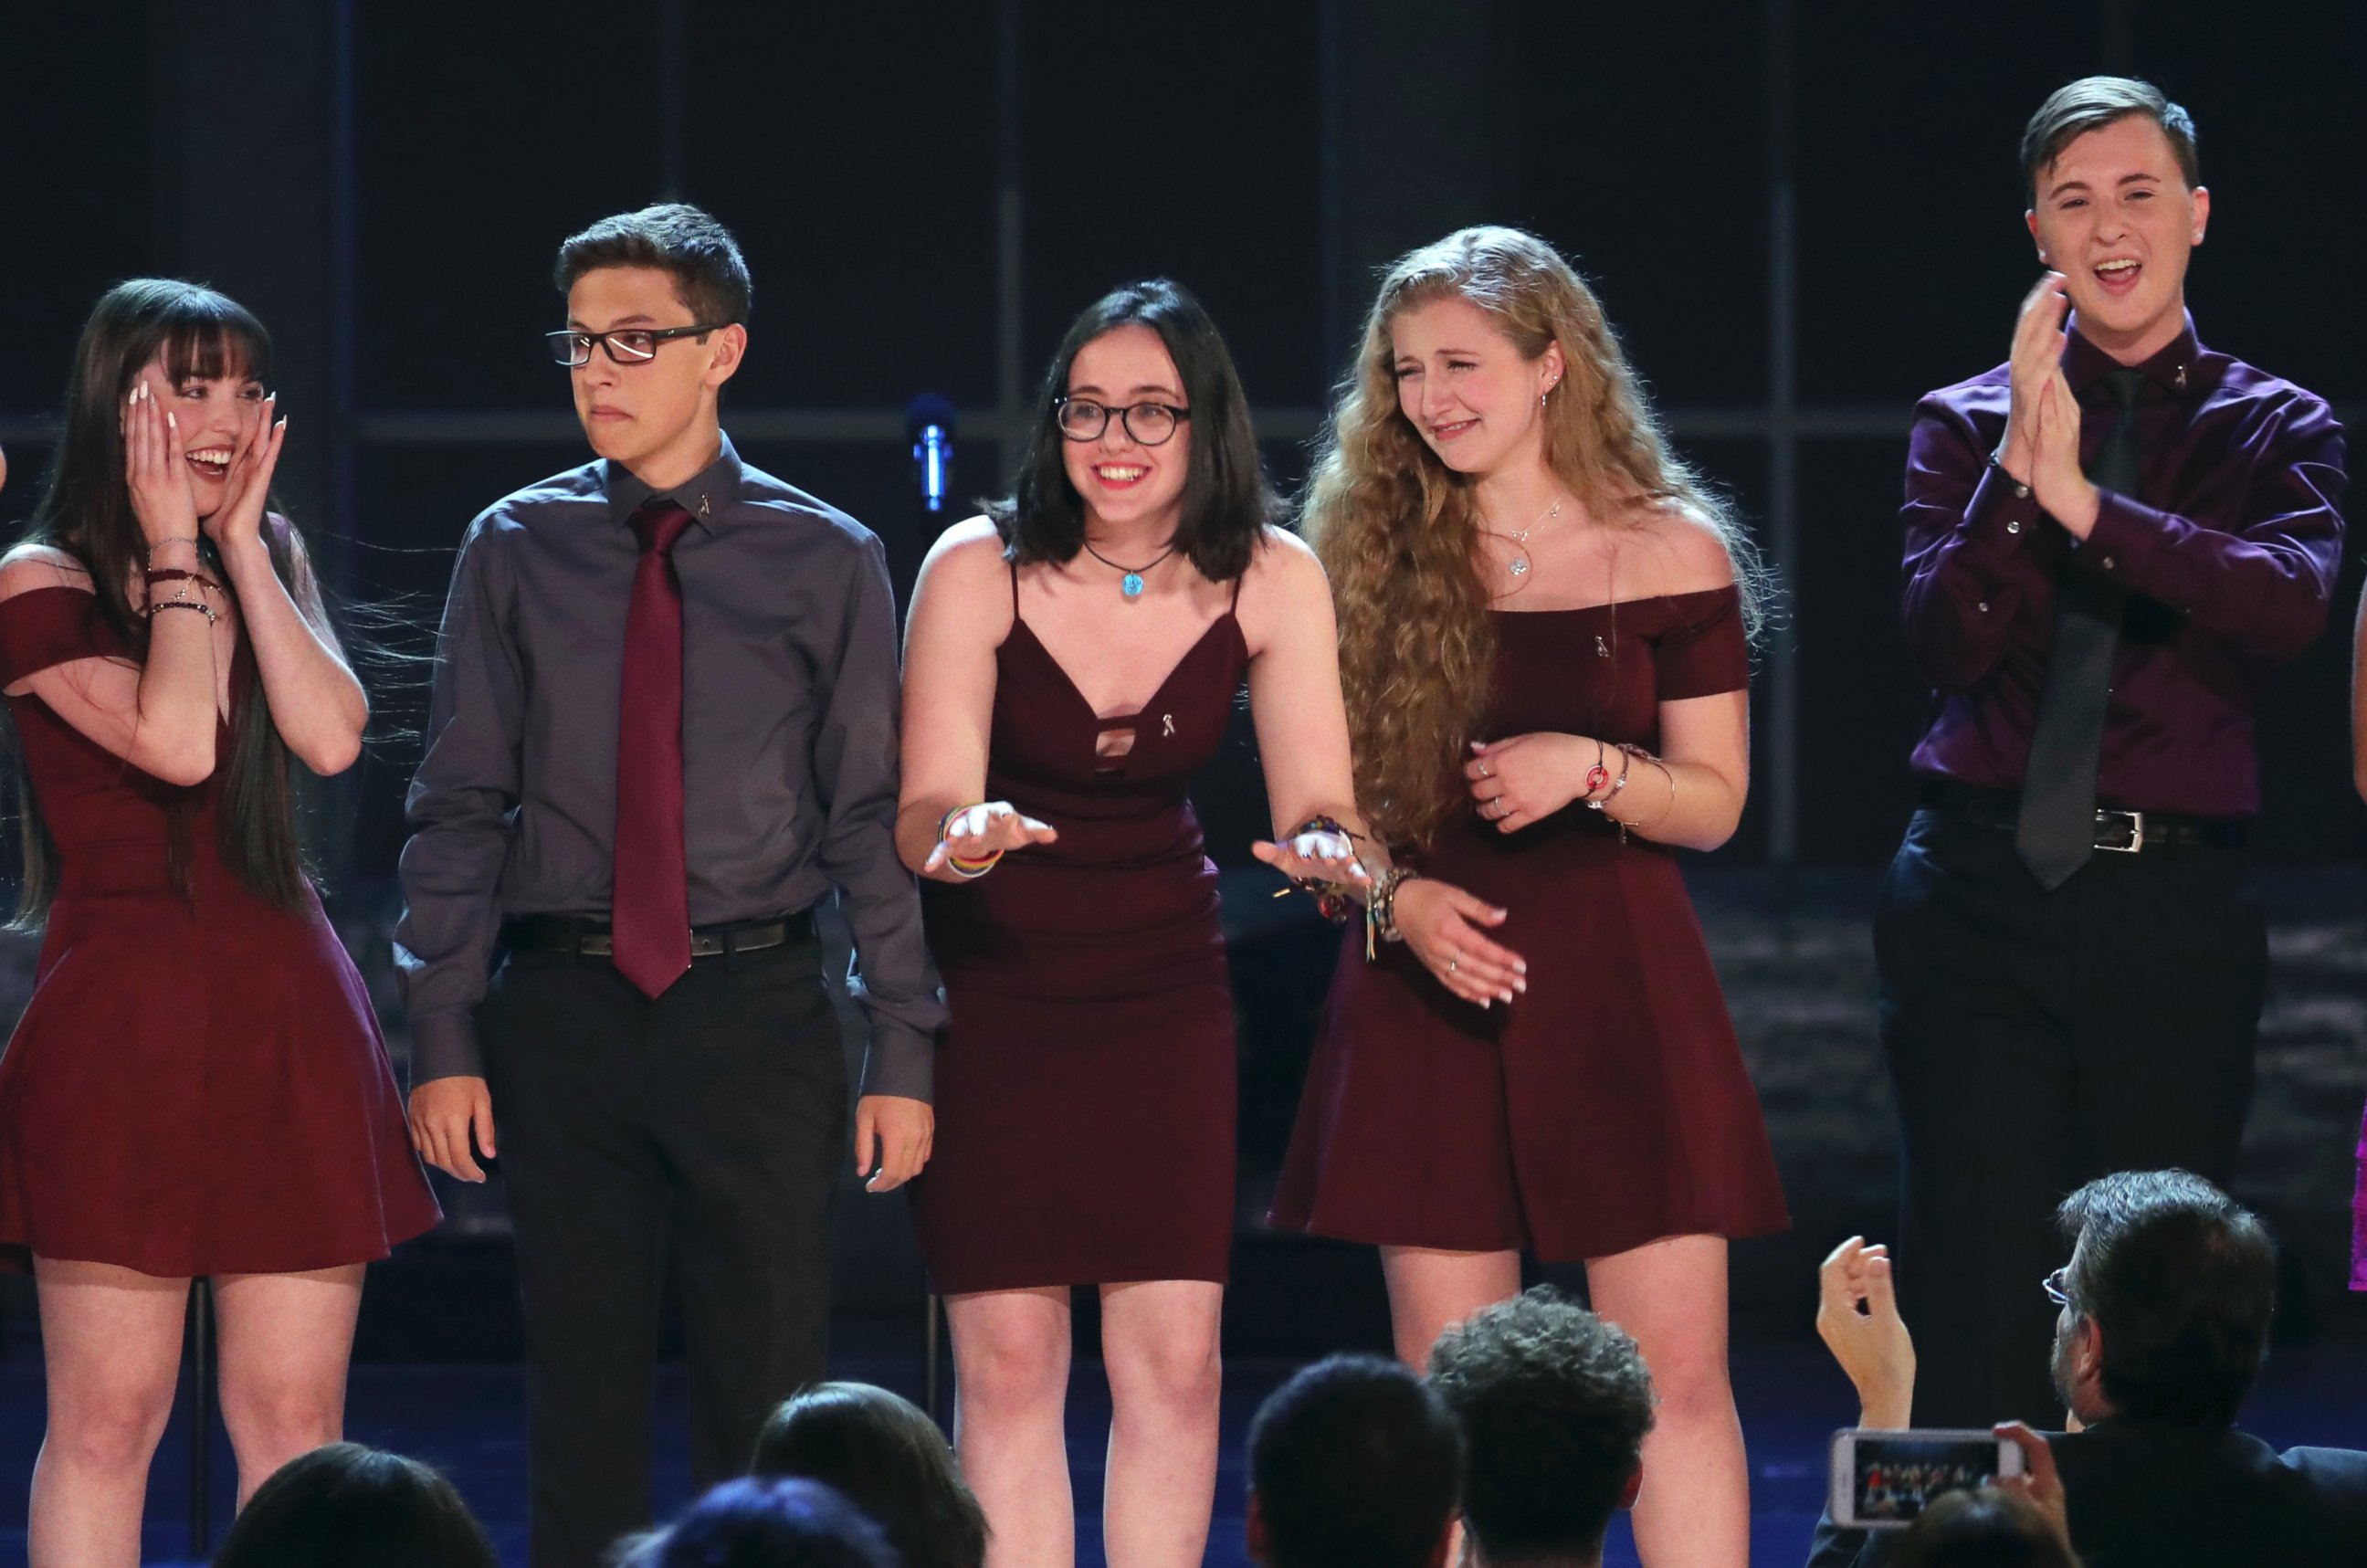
x,y
712,1121
2036,1041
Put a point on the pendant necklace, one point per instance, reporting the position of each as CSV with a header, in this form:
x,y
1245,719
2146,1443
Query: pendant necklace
x,y
1130,584
1519,565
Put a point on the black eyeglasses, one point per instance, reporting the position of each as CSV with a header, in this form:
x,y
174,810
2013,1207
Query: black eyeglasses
x,y
627,345
2054,1283
1150,423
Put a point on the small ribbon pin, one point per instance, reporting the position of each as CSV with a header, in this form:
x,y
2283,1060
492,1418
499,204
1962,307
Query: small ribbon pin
x,y
1167,723
1601,649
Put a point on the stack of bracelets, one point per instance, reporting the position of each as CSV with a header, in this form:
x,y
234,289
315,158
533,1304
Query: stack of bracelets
x,y
962,867
1337,906
1601,788
184,599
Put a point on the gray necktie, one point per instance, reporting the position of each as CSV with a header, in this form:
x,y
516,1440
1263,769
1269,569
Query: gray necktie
x,y
2056,830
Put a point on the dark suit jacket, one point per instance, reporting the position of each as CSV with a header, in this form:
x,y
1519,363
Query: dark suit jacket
x,y
2145,1495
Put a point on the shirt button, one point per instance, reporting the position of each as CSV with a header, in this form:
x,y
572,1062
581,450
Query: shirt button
x,y
2108,564
1984,607
2012,526
2022,492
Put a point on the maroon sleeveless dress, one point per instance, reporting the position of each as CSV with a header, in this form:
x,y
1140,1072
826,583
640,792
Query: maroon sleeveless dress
x,y
1608,1105
1085,1088
198,1086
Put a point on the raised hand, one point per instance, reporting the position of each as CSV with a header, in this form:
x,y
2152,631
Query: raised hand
x,y
1446,929
1523,781
156,470
2055,477
1857,1317
2037,358
987,829
240,520
1322,857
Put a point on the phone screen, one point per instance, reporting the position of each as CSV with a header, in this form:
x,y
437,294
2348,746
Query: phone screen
x,y
1892,1476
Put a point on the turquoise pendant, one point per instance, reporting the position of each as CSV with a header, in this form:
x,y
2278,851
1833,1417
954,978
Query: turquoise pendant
x,y
1131,585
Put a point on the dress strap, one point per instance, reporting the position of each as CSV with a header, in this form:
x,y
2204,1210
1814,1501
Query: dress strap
x,y
1235,607
1014,592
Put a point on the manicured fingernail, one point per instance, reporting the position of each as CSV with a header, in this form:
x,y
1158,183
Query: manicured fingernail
x,y
1521,966
170,421
1522,986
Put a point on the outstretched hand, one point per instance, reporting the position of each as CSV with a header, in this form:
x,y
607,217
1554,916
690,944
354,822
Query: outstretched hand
x,y
1857,1317
1319,856
985,830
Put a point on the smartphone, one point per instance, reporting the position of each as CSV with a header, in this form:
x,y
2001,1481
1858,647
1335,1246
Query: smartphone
x,y
1883,1479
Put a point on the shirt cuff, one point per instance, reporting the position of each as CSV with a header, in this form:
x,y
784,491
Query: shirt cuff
x,y
902,1062
1999,523
443,1045
2123,531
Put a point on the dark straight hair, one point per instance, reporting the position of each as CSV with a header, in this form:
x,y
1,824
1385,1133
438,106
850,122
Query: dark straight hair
x,y
2092,103
84,510
884,1455
1227,501
348,1506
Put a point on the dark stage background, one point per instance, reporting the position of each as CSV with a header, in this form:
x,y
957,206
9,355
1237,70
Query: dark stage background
x,y
1800,213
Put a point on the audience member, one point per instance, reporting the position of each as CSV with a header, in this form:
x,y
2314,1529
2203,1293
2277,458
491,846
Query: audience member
x,y
1987,1528
764,1523
884,1455
1554,1404
2166,1304
349,1507
1353,1464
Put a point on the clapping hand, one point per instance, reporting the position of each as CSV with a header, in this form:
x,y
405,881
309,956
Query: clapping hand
x,y
983,831
2042,429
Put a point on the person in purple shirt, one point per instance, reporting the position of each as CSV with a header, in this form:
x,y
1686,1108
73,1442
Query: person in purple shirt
x,y
2110,541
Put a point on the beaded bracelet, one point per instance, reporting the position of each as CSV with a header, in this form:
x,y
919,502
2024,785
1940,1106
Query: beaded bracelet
x,y
156,574
198,605
1330,902
1381,910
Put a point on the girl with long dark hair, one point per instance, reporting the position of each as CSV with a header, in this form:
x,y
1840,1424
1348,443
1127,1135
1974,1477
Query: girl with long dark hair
x,y
197,1087
1072,660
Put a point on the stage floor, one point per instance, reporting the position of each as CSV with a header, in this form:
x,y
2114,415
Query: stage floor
x,y
470,1421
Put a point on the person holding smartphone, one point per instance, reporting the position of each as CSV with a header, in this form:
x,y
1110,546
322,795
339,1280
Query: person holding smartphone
x,y
664,730
197,1087
2111,540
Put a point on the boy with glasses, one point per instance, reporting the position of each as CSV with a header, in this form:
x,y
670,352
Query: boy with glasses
x,y
665,728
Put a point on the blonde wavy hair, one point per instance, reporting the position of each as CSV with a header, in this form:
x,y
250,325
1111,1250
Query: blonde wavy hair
x,y
1399,532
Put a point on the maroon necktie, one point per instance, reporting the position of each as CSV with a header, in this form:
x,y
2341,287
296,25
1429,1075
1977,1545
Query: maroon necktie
x,y
648,910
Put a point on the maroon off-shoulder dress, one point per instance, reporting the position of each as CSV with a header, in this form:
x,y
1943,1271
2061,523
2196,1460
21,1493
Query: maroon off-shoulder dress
x,y
1609,1105
198,1086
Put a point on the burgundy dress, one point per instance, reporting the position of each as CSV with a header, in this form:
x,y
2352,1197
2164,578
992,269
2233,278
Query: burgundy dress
x,y
198,1086
1085,1088
1608,1105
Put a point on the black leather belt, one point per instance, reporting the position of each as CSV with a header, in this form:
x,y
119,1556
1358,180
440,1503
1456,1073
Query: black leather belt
x,y
2124,833
564,934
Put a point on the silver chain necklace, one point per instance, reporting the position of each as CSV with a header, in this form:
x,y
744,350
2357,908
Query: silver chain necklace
x,y
1519,565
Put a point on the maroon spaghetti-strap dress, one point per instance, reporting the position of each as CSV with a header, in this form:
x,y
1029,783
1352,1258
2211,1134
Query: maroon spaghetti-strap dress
x,y
198,1086
1085,1088
1608,1105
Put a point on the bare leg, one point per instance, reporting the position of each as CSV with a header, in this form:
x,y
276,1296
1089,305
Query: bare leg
x,y
1160,1342
1430,1290
1696,1506
286,1340
111,1347
1011,1381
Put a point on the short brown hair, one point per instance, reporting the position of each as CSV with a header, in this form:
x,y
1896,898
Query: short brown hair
x,y
2090,104
710,277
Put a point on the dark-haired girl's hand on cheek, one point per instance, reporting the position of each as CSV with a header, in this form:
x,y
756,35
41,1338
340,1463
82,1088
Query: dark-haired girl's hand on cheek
x,y
240,521
155,468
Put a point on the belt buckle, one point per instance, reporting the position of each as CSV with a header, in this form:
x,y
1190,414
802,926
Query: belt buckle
x,y
2136,831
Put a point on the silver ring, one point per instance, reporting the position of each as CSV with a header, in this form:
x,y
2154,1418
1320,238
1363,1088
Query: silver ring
x,y
1486,771
1451,960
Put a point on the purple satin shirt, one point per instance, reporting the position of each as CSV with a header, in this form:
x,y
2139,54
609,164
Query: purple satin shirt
x,y
2229,552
